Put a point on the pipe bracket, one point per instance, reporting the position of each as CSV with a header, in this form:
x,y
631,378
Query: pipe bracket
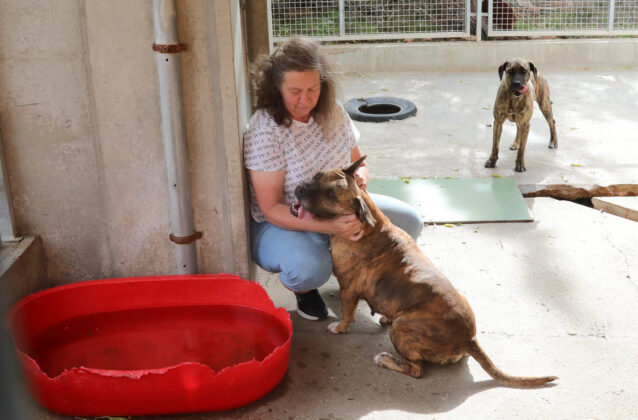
x,y
169,48
184,240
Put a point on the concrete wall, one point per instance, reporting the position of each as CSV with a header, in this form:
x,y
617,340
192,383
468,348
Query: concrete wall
x,y
80,122
22,270
565,54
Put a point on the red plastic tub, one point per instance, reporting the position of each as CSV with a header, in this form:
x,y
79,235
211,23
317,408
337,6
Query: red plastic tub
x,y
151,345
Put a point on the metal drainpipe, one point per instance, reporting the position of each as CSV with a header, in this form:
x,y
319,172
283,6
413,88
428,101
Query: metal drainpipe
x,y
167,48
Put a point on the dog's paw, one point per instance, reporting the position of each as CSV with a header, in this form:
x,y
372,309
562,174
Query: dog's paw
x,y
385,322
553,145
382,357
514,146
519,167
334,328
491,163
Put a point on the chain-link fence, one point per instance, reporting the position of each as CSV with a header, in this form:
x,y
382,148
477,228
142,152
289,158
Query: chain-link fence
x,y
342,20
562,17
335,20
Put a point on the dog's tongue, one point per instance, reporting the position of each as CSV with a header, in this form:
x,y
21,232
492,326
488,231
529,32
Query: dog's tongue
x,y
304,214
522,90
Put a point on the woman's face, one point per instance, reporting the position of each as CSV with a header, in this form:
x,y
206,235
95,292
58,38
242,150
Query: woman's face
x,y
300,91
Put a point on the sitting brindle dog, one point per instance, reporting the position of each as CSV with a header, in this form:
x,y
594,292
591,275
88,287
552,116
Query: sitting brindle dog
x,y
430,320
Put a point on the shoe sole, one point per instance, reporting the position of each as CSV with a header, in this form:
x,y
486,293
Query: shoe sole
x,y
308,317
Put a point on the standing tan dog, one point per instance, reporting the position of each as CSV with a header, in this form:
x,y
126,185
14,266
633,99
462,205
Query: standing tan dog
x,y
430,321
515,102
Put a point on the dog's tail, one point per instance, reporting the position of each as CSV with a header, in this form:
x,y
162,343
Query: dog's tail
x,y
475,350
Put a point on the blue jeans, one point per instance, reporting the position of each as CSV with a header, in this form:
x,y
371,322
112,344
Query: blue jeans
x,y
302,258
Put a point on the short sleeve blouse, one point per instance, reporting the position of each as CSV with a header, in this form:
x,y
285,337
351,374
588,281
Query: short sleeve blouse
x,y
300,150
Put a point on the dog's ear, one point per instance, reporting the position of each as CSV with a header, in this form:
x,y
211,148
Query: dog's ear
x,y
350,170
532,67
363,212
501,70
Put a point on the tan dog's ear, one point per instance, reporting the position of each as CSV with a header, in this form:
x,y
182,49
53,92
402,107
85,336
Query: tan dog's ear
x,y
363,212
532,67
350,170
501,70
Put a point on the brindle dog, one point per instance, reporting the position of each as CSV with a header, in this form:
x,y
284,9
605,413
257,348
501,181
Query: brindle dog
x,y
430,320
515,102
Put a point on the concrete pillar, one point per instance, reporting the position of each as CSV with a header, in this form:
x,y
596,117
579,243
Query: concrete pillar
x,y
256,31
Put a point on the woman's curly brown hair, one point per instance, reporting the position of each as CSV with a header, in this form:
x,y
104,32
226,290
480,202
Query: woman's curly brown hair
x,y
297,54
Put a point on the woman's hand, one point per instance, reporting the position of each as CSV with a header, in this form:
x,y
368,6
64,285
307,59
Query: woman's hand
x,y
347,226
361,176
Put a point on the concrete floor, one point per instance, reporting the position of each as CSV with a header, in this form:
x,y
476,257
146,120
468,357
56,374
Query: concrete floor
x,y
451,135
556,296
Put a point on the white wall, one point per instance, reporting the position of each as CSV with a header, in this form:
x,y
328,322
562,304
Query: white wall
x,y
565,54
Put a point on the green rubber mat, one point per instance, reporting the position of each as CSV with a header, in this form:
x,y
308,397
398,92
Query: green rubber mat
x,y
472,200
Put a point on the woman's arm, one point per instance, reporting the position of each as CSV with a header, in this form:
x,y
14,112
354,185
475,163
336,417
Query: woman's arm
x,y
268,187
362,175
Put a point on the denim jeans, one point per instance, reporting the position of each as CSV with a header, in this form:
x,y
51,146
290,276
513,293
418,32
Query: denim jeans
x,y
302,258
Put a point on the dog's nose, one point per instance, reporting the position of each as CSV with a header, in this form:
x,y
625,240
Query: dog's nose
x,y
300,190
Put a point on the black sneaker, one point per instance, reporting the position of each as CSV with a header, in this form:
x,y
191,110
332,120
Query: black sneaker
x,y
311,306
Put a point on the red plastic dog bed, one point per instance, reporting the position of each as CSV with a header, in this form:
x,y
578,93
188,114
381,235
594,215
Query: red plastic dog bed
x,y
151,345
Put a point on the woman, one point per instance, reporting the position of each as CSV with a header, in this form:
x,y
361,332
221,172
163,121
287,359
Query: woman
x,y
299,129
